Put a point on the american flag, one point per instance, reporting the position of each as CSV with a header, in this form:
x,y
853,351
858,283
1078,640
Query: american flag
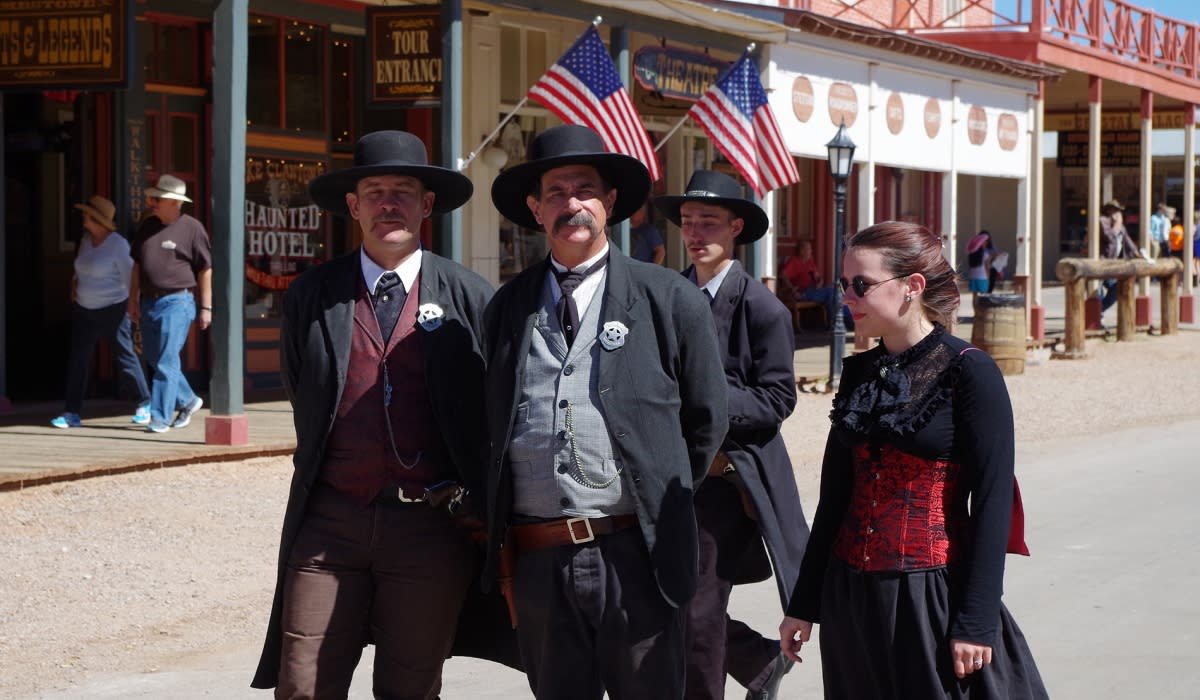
x,y
583,88
735,115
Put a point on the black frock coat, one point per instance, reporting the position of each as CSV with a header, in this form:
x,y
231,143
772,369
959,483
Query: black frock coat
x,y
662,393
315,336
754,330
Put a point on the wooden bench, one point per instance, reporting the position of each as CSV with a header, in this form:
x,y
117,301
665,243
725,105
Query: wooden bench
x,y
799,308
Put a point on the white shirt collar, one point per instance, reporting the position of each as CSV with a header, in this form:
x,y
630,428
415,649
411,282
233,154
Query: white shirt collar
x,y
714,284
586,264
408,270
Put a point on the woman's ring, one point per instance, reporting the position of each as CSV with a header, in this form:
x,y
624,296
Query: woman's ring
x,y
977,663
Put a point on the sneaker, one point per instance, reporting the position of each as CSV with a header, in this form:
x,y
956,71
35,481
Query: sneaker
x,y
142,415
157,428
66,420
185,414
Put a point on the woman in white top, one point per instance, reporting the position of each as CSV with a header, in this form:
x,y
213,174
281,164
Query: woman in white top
x,y
100,292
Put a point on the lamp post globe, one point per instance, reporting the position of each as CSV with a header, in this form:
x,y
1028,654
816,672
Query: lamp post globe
x,y
841,163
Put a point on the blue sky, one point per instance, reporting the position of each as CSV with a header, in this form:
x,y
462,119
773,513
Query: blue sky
x,y
1188,10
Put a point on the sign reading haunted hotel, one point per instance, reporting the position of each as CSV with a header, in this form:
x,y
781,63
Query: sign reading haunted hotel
x,y
284,229
64,43
406,54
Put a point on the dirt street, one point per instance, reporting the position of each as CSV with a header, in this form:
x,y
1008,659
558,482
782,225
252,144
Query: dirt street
x,y
146,571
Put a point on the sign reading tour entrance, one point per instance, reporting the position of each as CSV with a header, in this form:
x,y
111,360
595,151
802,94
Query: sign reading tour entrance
x,y
406,54
82,43
284,229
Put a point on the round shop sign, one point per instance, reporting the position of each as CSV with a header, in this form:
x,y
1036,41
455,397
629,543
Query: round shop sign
x,y
933,117
895,113
802,98
843,104
976,125
1007,131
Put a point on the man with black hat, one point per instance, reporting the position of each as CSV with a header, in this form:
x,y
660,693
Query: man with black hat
x,y
750,498
382,361
606,405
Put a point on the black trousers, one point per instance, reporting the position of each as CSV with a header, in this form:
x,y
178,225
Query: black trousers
x,y
718,645
591,619
394,574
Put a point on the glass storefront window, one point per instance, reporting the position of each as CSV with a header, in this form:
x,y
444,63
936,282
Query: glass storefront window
x,y
285,231
262,89
169,52
304,87
341,102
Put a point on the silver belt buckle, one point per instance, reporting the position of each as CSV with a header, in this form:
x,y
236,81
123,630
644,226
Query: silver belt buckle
x,y
404,499
587,525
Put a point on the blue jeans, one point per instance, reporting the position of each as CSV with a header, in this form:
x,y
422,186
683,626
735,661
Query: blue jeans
x,y
1110,294
165,324
88,326
825,295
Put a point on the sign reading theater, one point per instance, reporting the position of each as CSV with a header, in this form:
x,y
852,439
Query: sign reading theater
x,y
284,230
80,43
406,54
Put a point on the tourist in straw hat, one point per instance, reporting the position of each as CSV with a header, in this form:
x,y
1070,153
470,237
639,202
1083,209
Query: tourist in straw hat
x,y
99,296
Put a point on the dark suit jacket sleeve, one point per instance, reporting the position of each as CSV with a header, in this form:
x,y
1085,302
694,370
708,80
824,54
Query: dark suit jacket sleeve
x,y
703,411
836,486
289,350
766,397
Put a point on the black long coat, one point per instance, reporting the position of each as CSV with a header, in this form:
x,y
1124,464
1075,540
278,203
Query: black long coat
x,y
318,321
663,396
754,330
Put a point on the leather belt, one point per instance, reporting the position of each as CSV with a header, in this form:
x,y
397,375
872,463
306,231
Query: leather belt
x,y
443,493
160,293
531,537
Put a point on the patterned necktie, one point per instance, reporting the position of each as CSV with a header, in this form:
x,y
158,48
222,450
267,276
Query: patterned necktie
x,y
568,312
389,300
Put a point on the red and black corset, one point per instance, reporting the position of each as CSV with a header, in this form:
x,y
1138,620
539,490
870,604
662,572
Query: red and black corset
x,y
906,512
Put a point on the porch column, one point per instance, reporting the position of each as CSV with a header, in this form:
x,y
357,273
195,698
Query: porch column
x,y
452,119
619,38
949,231
5,402
1145,182
228,424
1188,301
1093,212
1036,242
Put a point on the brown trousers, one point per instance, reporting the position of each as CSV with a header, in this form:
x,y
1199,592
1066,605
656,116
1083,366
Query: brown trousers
x,y
393,574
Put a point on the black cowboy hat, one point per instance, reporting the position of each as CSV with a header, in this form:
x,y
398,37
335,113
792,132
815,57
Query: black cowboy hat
x,y
710,187
391,153
570,144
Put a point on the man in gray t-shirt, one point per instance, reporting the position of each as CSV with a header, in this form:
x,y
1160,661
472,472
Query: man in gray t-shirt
x,y
646,243
169,263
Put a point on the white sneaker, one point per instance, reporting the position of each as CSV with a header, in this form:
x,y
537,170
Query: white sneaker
x,y
185,414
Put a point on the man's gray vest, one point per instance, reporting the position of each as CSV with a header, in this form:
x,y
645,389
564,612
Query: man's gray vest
x,y
550,480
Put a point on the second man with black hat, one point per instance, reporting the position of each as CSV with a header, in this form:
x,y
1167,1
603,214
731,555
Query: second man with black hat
x,y
750,498
606,405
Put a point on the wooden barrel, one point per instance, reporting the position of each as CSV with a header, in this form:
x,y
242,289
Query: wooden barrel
x,y
999,330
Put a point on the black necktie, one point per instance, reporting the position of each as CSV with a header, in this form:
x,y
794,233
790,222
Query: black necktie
x,y
568,312
707,295
389,299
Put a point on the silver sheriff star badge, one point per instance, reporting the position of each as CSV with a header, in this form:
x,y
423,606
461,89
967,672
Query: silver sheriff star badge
x,y
612,336
430,316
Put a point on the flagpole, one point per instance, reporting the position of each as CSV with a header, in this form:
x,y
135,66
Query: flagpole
x,y
464,162
749,48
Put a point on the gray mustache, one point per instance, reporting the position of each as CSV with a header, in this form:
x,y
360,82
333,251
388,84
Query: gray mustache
x,y
577,219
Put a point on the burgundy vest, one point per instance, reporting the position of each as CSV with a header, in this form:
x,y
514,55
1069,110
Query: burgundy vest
x,y
359,459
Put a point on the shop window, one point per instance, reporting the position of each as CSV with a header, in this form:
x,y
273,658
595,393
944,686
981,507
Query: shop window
x,y
519,247
341,102
169,52
182,142
286,75
522,61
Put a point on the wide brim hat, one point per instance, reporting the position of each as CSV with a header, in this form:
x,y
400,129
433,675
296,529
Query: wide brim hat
x,y
570,144
101,209
977,241
169,187
1112,204
718,189
391,153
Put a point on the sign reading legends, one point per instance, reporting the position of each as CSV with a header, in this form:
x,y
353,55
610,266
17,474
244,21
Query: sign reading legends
x,y
64,43
406,54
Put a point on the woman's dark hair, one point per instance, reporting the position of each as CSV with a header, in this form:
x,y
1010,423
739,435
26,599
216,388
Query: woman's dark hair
x,y
908,249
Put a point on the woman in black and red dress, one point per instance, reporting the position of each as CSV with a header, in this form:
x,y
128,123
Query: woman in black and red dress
x,y
905,562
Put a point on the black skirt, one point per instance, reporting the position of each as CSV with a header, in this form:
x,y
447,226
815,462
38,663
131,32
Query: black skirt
x,y
886,636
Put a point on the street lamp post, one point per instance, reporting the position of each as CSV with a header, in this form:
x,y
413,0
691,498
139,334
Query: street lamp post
x,y
841,162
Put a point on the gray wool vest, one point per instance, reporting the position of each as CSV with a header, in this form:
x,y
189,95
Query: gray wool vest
x,y
561,456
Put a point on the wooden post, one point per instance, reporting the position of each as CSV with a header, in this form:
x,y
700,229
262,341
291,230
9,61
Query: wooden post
x,y
1074,291
1170,304
1126,308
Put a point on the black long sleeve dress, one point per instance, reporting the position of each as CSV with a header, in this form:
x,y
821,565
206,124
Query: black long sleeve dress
x,y
908,543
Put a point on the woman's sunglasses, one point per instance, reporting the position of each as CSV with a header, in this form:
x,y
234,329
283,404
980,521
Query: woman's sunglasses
x,y
860,285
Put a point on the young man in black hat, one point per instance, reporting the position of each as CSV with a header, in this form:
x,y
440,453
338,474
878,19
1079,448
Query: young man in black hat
x,y
750,498
383,364
606,404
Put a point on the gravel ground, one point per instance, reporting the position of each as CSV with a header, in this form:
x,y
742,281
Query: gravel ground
x,y
144,571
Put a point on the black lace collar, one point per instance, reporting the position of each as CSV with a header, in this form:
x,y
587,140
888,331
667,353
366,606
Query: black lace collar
x,y
896,394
